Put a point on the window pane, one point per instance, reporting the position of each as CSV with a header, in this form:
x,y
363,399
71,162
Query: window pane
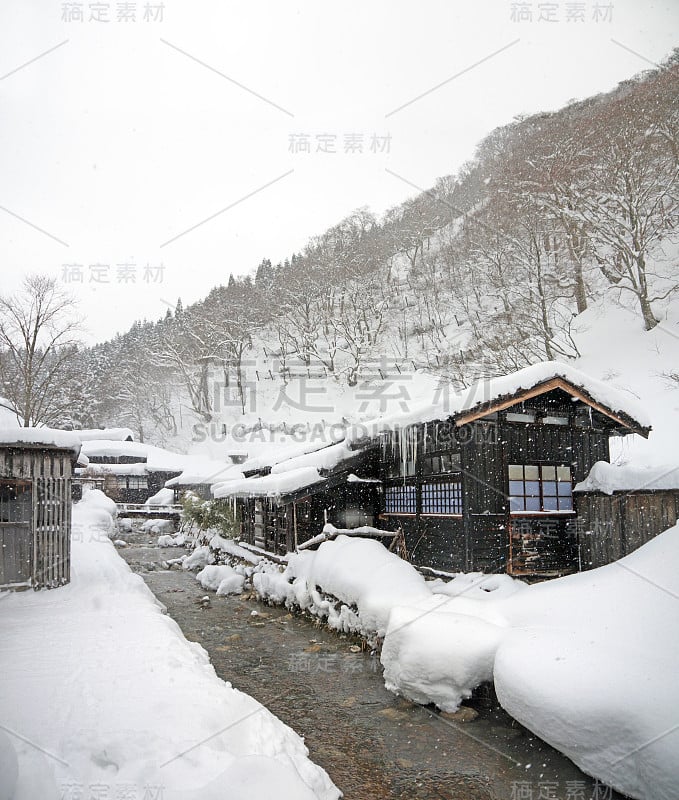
x,y
549,504
532,473
515,472
516,417
533,488
549,488
565,490
565,503
516,504
563,473
516,487
532,504
548,473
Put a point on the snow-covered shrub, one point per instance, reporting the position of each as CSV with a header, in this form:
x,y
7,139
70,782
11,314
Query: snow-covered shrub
x,y
209,515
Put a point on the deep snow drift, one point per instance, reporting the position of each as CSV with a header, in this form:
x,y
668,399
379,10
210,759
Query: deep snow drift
x,y
100,688
587,662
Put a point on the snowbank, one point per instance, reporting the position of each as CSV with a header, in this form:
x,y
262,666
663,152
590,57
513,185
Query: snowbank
x,y
362,574
110,434
587,662
201,557
168,540
609,478
100,688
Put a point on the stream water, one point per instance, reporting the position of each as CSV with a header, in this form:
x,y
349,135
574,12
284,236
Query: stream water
x,y
375,746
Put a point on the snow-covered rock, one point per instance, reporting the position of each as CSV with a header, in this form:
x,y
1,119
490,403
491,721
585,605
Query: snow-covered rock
x,y
221,578
201,557
167,540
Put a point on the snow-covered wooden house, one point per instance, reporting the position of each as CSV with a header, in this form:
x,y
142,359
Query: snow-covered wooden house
x,y
480,480
128,471
283,502
483,480
36,465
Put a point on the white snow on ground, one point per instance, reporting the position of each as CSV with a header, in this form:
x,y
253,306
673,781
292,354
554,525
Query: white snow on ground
x,y
168,540
587,662
201,557
110,434
616,348
101,688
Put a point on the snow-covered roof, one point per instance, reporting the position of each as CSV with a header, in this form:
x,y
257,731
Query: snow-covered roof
x,y
488,394
44,437
108,434
608,478
114,469
324,458
276,452
205,471
274,485
288,476
157,459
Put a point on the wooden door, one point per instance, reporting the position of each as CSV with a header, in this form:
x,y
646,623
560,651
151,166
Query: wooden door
x,y
16,535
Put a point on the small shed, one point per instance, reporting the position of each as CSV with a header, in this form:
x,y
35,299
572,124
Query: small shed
x,y
623,507
36,465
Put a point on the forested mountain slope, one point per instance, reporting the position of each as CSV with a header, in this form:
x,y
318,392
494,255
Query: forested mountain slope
x,y
557,240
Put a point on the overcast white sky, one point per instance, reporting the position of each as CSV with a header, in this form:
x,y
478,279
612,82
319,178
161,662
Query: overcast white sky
x,y
116,142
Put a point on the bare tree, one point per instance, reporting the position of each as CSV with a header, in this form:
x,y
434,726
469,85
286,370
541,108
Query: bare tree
x,y
38,336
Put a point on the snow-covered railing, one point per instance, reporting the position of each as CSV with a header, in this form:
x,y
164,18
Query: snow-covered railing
x,y
142,508
330,532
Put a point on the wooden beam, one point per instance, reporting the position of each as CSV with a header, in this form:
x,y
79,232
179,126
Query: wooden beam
x,y
543,388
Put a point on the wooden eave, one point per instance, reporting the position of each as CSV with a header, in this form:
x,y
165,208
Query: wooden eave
x,y
501,403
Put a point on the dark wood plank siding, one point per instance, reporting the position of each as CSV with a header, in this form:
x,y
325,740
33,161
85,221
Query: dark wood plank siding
x,y
41,554
612,526
436,542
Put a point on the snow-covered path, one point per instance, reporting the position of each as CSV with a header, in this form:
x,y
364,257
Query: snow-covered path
x,y
101,694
